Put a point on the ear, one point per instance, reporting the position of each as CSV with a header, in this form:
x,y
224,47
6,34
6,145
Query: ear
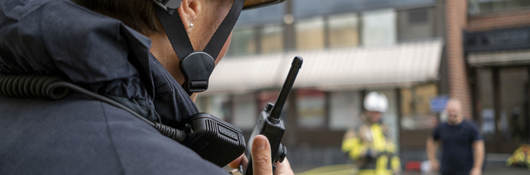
x,y
188,11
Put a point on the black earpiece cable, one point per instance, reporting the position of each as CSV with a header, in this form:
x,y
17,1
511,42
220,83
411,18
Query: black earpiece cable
x,y
54,88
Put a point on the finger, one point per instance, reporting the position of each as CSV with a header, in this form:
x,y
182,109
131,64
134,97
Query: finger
x,y
236,162
261,156
244,162
284,168
241,160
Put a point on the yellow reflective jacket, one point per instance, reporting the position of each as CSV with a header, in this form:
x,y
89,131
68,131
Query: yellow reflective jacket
x,y
520,158
371,150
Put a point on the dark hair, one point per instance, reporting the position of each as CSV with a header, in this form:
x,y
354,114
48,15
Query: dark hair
x,y
137,14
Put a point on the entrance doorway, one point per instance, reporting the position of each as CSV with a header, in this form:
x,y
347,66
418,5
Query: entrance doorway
x,y
502,106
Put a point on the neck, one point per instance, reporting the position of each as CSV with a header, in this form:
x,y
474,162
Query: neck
x,y
163,51
456,122
371,122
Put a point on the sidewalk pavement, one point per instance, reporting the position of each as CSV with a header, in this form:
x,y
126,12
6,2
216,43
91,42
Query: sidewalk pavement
x,y
347,169
491,169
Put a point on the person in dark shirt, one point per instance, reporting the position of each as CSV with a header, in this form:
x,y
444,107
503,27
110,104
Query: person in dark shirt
x,y
462,145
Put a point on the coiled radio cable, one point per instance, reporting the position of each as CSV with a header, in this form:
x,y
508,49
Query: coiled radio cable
x,y
22,86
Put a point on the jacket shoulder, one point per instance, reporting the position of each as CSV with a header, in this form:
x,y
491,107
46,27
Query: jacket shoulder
x,y
80,136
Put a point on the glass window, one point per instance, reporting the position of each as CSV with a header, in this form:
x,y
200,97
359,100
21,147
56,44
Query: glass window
x,y
270,96
390,118
514,92
416,24
310,34
478,7
311,108
202,102
484,102
243,42
272,39
379,27
265,97
245,112
217,105
343,30
345,110
416,107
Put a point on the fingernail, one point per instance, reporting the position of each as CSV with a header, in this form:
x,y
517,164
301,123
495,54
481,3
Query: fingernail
x,y
261,142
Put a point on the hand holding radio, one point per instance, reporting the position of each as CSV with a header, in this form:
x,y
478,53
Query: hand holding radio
x,y
262,152
265,153
270,123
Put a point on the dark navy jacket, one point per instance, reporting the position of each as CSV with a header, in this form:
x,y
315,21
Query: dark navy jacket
x,y
79,135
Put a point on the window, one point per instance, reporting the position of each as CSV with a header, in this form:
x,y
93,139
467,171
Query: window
x,y
243,42
345,110
389,118
202,103
343,30
479,7
270,96
310,34
416,107
311,108
485,104
379,28
418,16
265,97
512,121
514,96
416,24
272,39
245,112
217,105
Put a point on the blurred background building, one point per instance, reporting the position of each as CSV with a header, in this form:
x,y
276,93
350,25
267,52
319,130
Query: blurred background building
x,y
496,42
417,52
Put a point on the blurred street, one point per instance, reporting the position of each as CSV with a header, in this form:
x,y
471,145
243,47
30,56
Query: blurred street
x,y
419,54
500,169
492,169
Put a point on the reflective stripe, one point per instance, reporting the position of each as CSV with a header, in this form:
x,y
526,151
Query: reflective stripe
x,y
379,138
353,147
382,163
395,164
374,172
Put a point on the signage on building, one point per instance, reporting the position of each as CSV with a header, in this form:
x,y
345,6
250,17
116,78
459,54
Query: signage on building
x,y
497,40
438,103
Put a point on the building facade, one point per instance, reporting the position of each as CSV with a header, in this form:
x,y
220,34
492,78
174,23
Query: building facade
x,y
349,48
496,45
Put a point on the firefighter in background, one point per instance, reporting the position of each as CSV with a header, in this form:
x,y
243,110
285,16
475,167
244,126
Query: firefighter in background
x,y
520,158
369,145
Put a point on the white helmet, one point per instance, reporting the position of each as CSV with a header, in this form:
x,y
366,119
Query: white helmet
x,y
375,102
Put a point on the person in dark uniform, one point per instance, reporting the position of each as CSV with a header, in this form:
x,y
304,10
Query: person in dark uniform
x,y
461,144
118,49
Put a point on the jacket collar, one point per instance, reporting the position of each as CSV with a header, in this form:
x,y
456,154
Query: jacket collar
x,y
102,54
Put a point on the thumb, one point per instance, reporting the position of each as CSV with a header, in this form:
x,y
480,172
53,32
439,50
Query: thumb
x,y
261,156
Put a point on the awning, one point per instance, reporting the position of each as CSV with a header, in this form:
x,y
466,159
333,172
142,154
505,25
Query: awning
x,y
352,68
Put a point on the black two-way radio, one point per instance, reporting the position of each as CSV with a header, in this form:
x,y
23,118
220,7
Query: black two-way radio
x,y
269,122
